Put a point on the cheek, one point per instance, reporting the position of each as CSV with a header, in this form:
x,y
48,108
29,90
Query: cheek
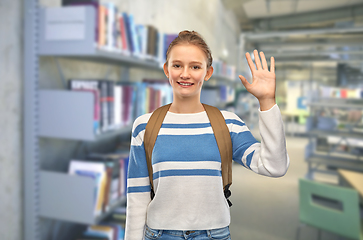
x,y
173,75
200,76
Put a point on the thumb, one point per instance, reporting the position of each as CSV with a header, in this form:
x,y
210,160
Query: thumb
x,y
244,81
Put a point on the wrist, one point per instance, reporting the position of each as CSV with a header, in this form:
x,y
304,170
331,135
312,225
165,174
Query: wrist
x,y
266,104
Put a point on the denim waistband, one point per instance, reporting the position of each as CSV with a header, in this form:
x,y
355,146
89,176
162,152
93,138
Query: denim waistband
x,y
187,233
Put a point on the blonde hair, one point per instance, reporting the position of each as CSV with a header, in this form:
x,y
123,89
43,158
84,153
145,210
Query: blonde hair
x,y
194,38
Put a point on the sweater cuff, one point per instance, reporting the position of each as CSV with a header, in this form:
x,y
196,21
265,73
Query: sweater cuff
x,y
271,109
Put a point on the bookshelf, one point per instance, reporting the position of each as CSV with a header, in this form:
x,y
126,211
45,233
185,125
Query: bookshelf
x,y
67,115
85,49
335,136
61,198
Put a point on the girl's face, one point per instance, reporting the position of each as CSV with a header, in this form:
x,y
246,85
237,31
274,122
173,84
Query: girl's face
x,y
187,70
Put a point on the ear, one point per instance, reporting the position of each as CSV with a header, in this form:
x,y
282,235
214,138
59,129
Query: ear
x,y
165,67
209,73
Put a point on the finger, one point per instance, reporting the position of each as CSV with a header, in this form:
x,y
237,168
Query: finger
x,y
257,60
264,62
244,81
272,67
250,62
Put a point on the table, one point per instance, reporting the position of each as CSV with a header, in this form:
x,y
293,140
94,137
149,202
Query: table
x,y
352,179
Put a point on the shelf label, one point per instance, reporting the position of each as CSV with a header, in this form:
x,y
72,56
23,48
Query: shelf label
x,y
65,23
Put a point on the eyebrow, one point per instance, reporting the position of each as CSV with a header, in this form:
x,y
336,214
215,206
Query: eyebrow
x,y
193,62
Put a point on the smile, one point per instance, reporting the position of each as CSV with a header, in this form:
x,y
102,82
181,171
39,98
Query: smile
x,y
185,83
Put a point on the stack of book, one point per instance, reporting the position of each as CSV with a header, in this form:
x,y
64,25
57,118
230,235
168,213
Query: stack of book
x,y
342,93
113,102
117,31
106,231
109,172
151,94
117,104
223,69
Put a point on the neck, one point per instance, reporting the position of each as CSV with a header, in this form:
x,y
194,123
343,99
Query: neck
x,y
186,105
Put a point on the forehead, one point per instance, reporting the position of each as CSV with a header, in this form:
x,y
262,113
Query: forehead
x,y
187,52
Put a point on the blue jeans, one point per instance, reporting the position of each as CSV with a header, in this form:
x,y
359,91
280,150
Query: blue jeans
x,y
220,233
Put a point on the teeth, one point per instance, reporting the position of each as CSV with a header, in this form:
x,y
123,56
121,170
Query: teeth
x,y
185,84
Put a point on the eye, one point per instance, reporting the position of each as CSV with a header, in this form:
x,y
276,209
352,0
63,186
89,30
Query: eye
x,y
176,66
196,67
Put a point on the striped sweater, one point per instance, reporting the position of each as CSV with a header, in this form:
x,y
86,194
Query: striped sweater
x,y
187,170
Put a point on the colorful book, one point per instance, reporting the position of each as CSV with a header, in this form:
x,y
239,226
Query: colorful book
x,y
91,86
96,171
123,33
102,29
128,32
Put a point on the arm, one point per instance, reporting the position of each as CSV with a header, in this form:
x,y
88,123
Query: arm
x,y
270,156
138,185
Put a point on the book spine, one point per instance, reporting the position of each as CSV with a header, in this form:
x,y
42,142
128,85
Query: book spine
x,y
101,26
128,31
134,38
125,47
110,25
111,102
104,105
117,106
106,202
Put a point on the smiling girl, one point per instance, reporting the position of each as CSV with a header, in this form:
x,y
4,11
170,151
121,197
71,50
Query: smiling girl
x,y
189,201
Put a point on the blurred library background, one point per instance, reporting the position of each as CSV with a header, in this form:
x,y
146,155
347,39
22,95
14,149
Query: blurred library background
x,y
76,73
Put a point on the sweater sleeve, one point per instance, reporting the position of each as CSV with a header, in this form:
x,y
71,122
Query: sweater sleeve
x,y
267,158
138,185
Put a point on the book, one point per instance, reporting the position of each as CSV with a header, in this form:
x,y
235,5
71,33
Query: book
x,y
97,172
101,231
134,38
104,105
168,38
91,86
110,103
117,106
123,33
151,41
102,30
114,164
142,36
111,26
128,32
151,94
162,49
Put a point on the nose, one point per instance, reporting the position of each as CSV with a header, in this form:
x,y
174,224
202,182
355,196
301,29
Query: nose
x,y
185,74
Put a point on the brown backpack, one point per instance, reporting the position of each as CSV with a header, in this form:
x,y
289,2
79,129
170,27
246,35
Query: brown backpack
x,y
221,134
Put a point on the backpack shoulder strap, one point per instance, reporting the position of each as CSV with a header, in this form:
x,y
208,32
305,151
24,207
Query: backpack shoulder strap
x,y
221,134
151,133
224,142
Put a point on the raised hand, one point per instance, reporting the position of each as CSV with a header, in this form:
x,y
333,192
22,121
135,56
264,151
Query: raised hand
x,y
263,85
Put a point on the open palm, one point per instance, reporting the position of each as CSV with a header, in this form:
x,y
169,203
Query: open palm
x,y
263,84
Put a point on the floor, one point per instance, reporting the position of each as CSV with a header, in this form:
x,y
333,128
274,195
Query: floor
x,y
267,208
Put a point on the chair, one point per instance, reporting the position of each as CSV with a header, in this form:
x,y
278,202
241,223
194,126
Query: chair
x,y
344,221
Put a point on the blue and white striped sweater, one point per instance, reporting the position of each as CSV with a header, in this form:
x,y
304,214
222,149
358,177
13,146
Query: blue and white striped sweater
x,y
187,170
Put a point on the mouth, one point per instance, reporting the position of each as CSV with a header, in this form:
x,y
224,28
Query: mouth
x,y
185,84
